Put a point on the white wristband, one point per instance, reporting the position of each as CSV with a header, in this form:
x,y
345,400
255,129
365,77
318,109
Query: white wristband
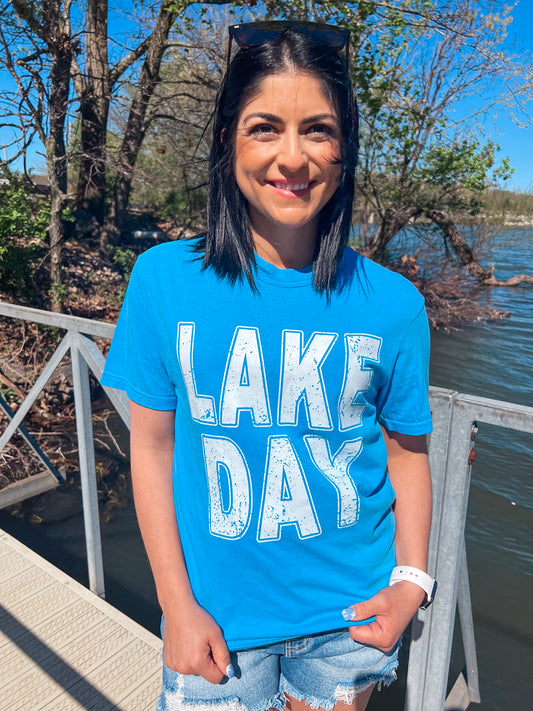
x,y
418,577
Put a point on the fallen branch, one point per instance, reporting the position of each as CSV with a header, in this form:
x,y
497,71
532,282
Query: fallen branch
x,y
512,281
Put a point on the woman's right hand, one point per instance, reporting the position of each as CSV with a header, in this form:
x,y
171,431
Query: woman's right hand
x,y
194,644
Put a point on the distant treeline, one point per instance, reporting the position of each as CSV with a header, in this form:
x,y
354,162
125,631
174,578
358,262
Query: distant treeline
x,y
508,203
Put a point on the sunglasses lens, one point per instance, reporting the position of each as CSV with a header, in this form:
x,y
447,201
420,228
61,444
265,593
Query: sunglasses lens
x,y
257,33
327,38
247,36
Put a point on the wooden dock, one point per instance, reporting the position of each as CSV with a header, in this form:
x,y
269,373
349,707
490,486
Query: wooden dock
x,y
64,648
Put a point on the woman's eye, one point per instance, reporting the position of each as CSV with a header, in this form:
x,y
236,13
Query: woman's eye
x,y
262,129
321,130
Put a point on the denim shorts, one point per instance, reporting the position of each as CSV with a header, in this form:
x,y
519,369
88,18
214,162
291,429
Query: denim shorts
x,y
321,670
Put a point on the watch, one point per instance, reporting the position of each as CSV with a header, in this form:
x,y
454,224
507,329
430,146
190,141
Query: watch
x,y
418,577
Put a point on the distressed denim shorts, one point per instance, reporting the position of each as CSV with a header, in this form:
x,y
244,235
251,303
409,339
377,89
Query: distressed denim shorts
x,y
321,670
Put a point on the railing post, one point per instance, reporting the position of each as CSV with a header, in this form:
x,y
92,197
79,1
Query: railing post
x,y
84,426
464,604
449,556
441,401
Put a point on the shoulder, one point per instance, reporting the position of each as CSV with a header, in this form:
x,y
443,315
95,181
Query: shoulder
x,y
378,284
166,263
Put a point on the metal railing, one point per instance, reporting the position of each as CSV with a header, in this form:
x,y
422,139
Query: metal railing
x,y
85,355
454,420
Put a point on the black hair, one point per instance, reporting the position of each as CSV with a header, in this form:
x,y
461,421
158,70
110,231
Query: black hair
x,y
227,245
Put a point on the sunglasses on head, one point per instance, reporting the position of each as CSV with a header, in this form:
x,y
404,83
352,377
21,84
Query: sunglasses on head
x,y
254,34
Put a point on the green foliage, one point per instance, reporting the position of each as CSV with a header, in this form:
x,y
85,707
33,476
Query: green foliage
x,y
58,294
125,258
10,396
509,205
179,205
23,223
462,170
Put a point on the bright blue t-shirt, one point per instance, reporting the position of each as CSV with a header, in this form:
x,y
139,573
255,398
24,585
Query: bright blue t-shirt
x,y
281,491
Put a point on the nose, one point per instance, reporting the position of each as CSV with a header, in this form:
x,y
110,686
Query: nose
x,y
292,155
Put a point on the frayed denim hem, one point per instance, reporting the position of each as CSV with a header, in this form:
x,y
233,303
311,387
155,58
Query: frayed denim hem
x,y
311,701
393,676
345,692
174,701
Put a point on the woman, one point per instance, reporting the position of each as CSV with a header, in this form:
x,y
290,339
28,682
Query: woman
x,y
278,389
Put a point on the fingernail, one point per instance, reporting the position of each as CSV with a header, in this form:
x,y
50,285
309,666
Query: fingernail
x,y
349,614
230,671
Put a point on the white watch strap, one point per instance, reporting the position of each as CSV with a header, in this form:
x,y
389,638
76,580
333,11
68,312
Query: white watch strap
x,y
416,576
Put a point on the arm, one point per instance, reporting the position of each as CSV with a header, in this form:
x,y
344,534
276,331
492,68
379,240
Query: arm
x,y
393,607
193,641
408,469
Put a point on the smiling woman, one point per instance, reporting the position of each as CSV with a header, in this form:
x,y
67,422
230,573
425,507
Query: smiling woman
x,y
278,393
287,165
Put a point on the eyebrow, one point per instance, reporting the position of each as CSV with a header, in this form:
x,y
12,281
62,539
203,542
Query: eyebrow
x,y
277,119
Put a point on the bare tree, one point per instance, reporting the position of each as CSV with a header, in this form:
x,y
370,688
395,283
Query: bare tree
x,y
136,125
95,79
139,119
44,53
171,171
42,78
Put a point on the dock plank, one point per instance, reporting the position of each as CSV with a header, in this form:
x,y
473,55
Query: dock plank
x,y
76,649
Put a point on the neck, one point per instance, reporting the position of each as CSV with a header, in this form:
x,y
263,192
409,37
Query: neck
x,y
286,248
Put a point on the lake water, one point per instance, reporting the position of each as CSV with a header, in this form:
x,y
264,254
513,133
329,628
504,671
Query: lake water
x,y
493,359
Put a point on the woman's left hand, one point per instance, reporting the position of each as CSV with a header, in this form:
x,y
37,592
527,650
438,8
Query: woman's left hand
x,y
393,609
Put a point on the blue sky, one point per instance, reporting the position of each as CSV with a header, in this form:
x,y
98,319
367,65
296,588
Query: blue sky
x,y
515,142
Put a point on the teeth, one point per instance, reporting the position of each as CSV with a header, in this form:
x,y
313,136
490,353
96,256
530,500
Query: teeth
x,y
295,186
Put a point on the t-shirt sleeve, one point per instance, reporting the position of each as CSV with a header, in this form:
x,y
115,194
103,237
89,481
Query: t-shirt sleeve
x,y
404,403
136,359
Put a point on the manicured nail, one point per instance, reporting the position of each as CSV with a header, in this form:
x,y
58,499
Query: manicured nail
x,y
349,614
230,671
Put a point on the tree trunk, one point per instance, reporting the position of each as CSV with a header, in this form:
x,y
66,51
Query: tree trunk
x,y
60,47
94,110
55,236
460,247
392,222
136,126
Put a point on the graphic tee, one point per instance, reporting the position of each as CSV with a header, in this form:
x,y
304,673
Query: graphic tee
x,y
281,491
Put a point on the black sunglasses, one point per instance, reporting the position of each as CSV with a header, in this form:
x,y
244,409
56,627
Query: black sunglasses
x,y
254,34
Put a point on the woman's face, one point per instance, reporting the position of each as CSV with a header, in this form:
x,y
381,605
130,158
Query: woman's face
x,y
287,142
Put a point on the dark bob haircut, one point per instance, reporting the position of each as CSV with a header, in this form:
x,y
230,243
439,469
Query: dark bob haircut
x,y
227,245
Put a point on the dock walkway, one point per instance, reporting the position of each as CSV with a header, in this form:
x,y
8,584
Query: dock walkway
x,y
64,648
